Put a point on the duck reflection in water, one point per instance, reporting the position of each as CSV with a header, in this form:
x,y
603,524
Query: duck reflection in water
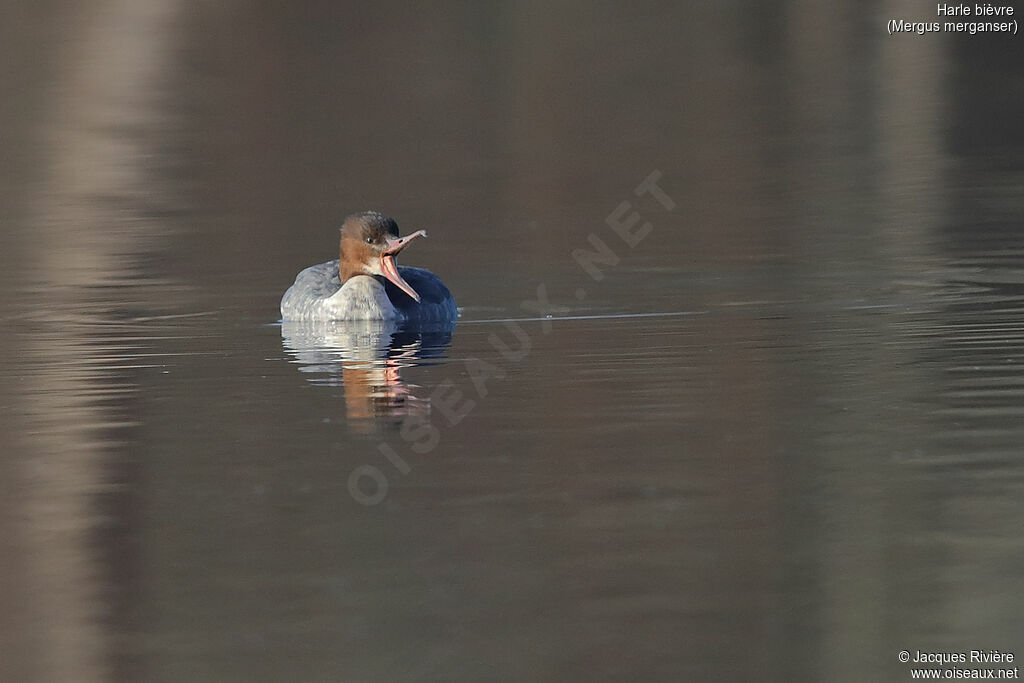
x,y
366,358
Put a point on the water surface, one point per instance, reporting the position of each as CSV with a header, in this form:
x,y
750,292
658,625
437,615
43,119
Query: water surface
x,y
774,436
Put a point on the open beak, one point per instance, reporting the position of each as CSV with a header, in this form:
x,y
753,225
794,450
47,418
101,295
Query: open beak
x,y
390,268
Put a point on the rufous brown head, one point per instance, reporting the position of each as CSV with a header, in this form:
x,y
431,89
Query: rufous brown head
x,y
369,245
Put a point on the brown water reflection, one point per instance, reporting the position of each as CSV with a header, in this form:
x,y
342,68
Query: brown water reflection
x,y
778,440
366,358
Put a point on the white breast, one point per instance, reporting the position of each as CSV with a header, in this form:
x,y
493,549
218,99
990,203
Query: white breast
x,y
360,298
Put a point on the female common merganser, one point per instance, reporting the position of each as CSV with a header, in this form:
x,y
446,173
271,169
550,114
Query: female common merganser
x,y
366,283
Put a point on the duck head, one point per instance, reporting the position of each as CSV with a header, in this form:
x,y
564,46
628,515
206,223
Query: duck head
x,y
369,245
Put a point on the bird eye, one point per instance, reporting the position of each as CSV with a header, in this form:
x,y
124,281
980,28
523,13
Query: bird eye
x,y
369,240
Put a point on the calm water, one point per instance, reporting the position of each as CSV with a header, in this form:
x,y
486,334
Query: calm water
x,y
776,435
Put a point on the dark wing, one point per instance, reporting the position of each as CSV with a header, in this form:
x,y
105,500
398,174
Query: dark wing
x,y
436,302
